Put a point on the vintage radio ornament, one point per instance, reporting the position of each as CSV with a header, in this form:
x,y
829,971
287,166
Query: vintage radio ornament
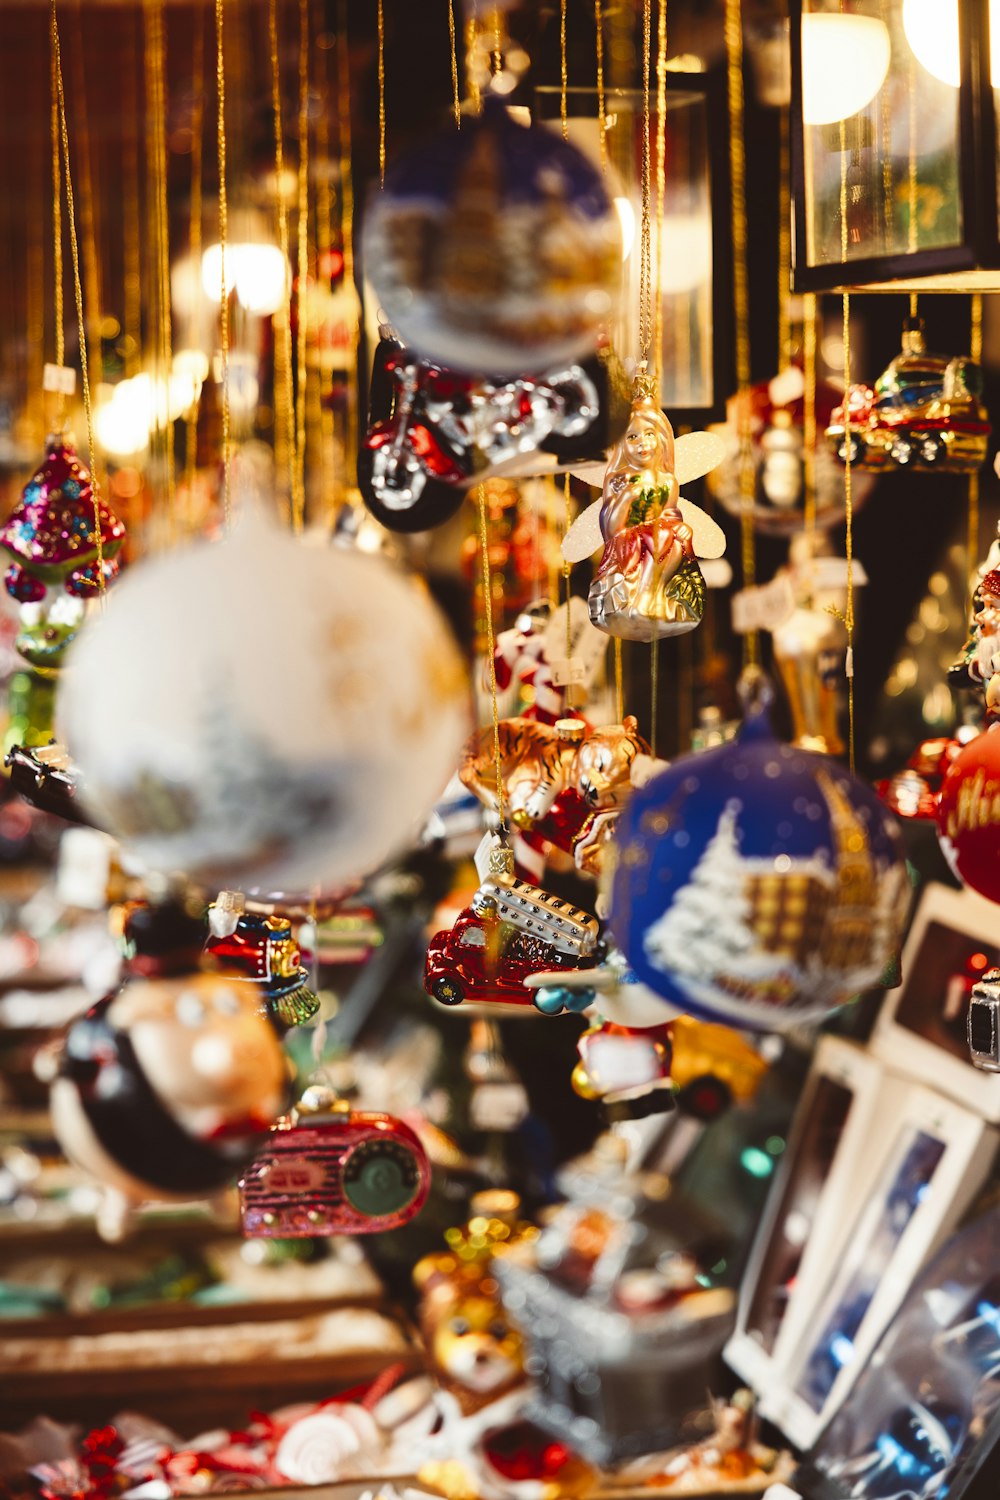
x,y
327,1169
925,412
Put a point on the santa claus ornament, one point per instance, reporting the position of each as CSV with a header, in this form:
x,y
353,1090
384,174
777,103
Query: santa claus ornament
x,y
968,814
758,884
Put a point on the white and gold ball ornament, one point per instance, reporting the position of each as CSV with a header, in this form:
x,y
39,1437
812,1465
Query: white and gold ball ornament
x,y
259,712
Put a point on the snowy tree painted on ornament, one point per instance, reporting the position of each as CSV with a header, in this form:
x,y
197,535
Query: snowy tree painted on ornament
x,y
706,925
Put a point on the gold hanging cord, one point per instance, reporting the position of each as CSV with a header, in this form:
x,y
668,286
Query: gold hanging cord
x,y
456,102
220,87
645,250
661,176
602,115
741,305
347,217
302,301
484,544
562,70
848,616
381,96
284,330
155,54
976,353
67,183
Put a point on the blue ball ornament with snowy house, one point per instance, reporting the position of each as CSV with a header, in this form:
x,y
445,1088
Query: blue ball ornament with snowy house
x,y
757,884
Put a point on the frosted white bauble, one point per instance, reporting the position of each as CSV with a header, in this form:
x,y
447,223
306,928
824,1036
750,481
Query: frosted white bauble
x,y
259,712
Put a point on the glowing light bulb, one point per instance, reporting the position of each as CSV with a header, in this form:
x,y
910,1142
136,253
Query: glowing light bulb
x,y
845,59
626,216
256,272
931,29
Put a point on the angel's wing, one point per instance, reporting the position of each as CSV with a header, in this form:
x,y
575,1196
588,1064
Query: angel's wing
x,y
584,536
708,539
695,453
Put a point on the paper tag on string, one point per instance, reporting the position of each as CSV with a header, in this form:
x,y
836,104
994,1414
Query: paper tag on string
x,y
59,378
568,672
587,645
765,607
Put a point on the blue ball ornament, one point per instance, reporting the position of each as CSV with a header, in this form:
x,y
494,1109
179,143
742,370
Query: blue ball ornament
x,y
495,248
758,884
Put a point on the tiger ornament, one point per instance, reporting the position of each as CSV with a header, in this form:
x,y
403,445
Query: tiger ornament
x,y
563,784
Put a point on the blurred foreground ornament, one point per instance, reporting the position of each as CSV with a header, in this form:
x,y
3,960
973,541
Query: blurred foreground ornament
x,y
167,1086
291,728
327,1169
623,1331
51,536
648,582
757,884
969,814
495,248
925,413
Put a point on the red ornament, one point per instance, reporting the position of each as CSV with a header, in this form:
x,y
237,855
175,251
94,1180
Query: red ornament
x,y
969,814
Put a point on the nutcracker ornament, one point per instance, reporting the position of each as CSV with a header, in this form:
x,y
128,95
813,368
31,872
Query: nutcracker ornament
x,y
264,950
757,884
925,413
57,567
648,583
167,1086
327,1169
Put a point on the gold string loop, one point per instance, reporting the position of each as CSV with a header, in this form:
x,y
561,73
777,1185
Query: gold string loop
x,y
220,89
484,543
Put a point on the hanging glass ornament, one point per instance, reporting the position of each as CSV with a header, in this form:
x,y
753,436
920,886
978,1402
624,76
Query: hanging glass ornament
x,y
969,814
50,536
327,1169
432,433
776,418
758,884
265,715
495,248
563,783
510,931
648,583
167,1086
263,949
925,412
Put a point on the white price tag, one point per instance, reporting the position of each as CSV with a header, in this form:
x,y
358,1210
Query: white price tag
x,y
59,378
829,574
587,645
763,608
568,672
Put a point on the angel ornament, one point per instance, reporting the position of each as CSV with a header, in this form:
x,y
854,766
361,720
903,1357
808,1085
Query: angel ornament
x,y
648,583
